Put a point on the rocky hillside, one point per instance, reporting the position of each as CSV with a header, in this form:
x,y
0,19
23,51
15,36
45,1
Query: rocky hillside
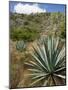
x,y
31,27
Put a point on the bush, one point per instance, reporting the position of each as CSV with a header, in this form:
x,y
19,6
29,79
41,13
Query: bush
x,y
25,33
63,32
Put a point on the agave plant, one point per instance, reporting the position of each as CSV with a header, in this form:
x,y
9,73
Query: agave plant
x,y
20,45
48,65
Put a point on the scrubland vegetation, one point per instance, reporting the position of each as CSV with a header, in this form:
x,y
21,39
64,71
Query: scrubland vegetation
x,y
37,49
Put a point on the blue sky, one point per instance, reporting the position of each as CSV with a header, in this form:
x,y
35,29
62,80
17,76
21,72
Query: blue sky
x,y
54,7
22,7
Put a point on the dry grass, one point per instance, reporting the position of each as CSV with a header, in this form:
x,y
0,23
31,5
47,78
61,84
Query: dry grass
x,y
18,71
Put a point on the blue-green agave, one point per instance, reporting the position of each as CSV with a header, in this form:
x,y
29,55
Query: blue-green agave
x,y
20,45
48,65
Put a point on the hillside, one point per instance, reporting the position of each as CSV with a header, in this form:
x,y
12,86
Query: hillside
x,y
26,31
31,27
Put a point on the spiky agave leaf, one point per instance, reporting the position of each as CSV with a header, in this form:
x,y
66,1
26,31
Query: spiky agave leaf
x,y
48,65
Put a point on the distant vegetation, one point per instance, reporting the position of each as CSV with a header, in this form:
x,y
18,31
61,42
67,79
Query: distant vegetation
x,y
29,27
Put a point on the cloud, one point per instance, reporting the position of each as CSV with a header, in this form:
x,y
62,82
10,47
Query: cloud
x,y
28,9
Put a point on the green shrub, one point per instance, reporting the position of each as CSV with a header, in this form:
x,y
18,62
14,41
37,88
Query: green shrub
x,y
62,29
25,33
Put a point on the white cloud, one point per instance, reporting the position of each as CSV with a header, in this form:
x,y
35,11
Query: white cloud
x,y
28,9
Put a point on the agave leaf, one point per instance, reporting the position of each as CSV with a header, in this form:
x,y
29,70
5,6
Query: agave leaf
x,y
60,69
45,57
61,76
36,66
56,43
35,70
40,75
39,62
61,55
36,81
47,81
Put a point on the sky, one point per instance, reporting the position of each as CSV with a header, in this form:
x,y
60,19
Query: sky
x,y
28,8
